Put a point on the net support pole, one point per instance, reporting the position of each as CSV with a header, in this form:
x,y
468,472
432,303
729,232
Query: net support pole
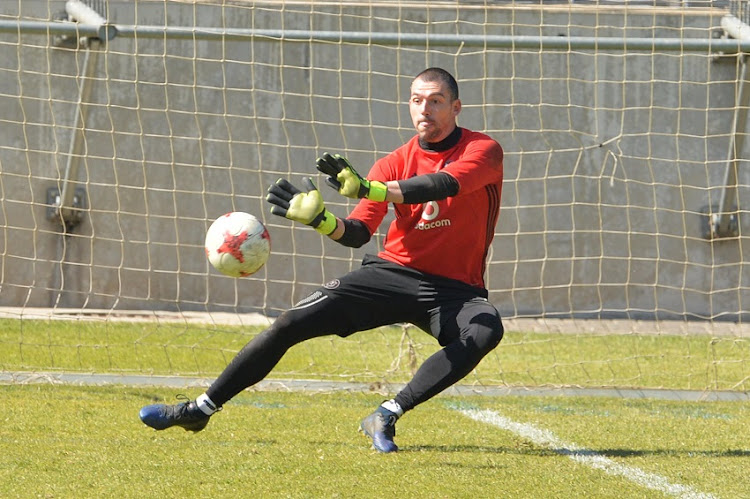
x,y
68,202
725,222
72,199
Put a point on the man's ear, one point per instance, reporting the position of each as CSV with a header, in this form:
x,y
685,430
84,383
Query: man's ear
x,y
456,107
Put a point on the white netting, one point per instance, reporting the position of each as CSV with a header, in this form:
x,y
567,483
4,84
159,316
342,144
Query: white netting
x,y
613,158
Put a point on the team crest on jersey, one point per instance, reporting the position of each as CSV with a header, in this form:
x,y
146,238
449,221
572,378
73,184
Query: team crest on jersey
x,y
332,284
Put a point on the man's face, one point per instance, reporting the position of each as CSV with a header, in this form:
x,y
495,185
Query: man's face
x,y
433,113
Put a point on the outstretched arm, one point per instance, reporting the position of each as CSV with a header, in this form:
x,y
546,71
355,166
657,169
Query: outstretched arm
x,y
344,178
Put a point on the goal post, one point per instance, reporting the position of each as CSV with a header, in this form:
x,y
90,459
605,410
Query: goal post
x,y
128,127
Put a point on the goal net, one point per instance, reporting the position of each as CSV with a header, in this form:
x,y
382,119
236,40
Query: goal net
x,y
619,259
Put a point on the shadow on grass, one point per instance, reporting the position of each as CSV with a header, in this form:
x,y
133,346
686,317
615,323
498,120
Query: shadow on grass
x,y
479,449
533,451
661,452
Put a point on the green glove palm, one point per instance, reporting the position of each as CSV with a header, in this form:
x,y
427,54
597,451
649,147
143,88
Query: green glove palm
x,y
344,178
301,206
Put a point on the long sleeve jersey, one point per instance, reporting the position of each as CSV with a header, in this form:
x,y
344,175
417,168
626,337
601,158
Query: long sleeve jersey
x,y
450,237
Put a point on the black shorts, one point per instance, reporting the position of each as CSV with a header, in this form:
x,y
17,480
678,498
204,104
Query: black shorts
x,y
381,293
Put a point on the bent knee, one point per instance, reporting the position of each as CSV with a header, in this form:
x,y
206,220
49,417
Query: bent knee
x,y
493,337
486,332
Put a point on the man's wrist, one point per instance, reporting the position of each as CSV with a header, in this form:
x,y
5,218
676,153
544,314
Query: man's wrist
x,y
328,224
378,191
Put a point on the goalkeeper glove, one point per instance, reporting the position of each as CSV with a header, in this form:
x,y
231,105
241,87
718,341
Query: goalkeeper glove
x,y
344,178
301,206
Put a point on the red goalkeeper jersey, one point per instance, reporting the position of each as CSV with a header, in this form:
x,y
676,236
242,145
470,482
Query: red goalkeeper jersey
x,y
450,237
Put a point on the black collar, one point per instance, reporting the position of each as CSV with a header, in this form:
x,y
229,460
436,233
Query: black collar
x,y
445,144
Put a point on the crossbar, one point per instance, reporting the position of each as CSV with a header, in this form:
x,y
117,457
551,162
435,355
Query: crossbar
x,y
109,31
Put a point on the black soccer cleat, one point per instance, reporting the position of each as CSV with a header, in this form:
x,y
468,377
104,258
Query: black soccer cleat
x,y
186,415
380,426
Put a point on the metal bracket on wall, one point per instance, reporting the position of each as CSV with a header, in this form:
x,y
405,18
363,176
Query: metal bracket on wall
x,y
712,218
70,215
88,13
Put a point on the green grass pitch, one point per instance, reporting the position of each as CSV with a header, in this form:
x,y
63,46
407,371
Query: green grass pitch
x,y
69,441
61,441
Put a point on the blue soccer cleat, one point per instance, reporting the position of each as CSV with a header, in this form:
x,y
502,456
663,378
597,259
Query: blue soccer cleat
x,y
186,415
380,426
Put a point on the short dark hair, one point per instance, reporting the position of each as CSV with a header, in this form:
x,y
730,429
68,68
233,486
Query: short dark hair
x,y
441,75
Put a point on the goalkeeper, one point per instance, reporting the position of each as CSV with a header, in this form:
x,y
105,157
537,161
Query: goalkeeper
x,y
444,185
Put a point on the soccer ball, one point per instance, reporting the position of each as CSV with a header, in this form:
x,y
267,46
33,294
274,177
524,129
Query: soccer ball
x,y
237,244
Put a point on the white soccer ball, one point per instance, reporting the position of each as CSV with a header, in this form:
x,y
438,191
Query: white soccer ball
x,y
237,244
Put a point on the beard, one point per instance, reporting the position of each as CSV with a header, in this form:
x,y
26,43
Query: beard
x,y
432,133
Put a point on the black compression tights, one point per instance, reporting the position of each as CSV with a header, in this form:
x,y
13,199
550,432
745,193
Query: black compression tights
x,y
439,371
457,359
258,357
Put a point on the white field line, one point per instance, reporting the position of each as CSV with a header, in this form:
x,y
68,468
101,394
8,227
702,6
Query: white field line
x,y
545,438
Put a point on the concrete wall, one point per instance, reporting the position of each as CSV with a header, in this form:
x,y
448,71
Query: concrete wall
x,y
610,156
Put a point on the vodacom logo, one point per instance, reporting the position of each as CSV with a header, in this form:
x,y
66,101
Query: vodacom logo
x,y
430,213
